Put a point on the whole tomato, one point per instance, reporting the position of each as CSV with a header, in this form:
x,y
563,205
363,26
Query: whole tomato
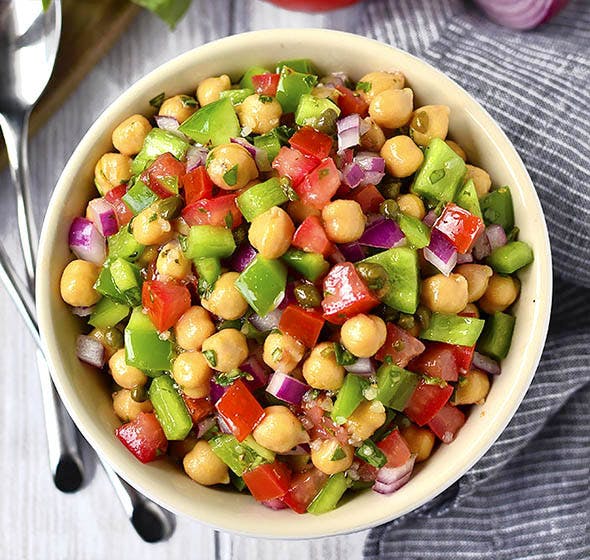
x,y
313,5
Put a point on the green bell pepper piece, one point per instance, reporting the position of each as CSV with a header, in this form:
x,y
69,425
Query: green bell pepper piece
x,y
139,197
106,286
209,241
261,197
349,397
107,313
208,269
236,96
246,81
313,111
467,198
156,143
240,457
496,338
441,173
263,284
292,85
329,496
270,143
371,454
417,232
124,245
170,409
144,348
395,386
214,123
511,257
453,329
401,263
310,265
497,208
303,65
127,279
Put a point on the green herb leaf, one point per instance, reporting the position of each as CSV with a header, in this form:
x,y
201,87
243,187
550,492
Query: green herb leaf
x,y
229,220
157,101
434,381
338,454
371,454
265,98
343,356
227,378
231,177
211,357
170,11
188,101
277,354
364,86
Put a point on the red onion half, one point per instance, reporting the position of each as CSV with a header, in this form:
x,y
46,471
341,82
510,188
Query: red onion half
x,y
521,14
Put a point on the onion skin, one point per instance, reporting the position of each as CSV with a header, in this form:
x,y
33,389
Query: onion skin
x,y
521,14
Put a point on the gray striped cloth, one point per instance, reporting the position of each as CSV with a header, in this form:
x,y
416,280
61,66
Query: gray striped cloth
x,y
528,497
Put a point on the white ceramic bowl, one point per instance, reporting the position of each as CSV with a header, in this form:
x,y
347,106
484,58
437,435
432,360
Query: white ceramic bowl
x,y
86,392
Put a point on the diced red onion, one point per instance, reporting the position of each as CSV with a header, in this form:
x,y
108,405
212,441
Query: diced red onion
x,y
257,371
86,242
485,363
336,256
390,479
362,366
276,504
430,218
242,257
268,322
496,236
195,157
353,251
336,79
82,311
167,123
90,350
464,258
373,165
383,235
365,125
204,426
260,156
441,252
103,216
223,425
216,392
349,133
352,175
481,248
286,388
521,14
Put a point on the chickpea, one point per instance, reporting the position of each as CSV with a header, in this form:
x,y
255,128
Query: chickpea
x,y
279,430
321,371
344,220
125,375
126,408
501,293
481,180
381,81
110,171
362,335
271,232
146,258
477,276
392,108
471,308
457,149
193,328
129,136
330,456
402,156
209,89
473,389
428,122
149,228
260,113
373,139
172,262
367,417
229,348
225,300
299,210
179,107
231,166
282,352
445,294
77,283
411,205
192,373
419,440
204,467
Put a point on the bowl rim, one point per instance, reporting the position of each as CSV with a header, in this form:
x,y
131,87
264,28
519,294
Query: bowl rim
x,y
59,197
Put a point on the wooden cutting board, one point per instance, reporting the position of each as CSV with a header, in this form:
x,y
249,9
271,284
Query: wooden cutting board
x,y
89,29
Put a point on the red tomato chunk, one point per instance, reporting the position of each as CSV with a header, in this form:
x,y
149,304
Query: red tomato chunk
x,y
266,84
368,197
426,401
165,302
198,408
400,345
293,164
305,486
144,437
219,211
268,482
460,226
162,176
438,360
311,142
115,198
320,185
197,185
446,423
240,410
304,325
395,448
311,236
351,102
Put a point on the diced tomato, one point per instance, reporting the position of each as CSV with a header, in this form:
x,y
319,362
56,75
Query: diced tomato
x,y
115,198
368,197
304,325
305,486
400,345
163,176
323,427
144,437
351,102
426,401
468,314
269,481
463,356
197,185
460,226
266,84
240,410
446,423
218,211
311,142
165,302
311,236
293,164
345,294
366,472
197,408
320,185
395,448
438,360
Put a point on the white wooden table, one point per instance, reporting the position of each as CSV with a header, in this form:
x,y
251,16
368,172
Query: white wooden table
x,y
36,521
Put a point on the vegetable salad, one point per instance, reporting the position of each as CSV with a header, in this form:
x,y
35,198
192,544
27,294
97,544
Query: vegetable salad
x,y
297,284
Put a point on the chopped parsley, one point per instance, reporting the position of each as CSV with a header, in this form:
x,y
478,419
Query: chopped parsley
x,y
188,101
343,356
211,357
231,177
338,454
229,220
157,101
265,98
227,378
434,381
364,86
